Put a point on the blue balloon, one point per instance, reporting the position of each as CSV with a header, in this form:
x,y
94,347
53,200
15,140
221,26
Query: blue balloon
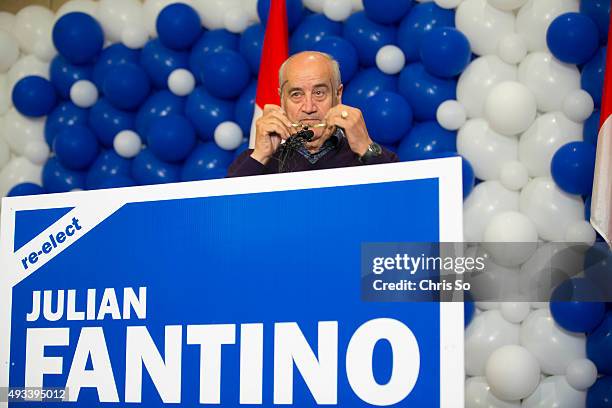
x,y
573,167
117,182
34,96
386,11
111,56
367,37
160,103
148,169
587,208
108,166
226,74
251,43
244,146
467,171
295,12
58,179
159,62
311,30
592,79
106,121
388,117
245,105
597,267
424,91
422,18
572,38
25,189
366,84
63,75
574,305
171,138
600,393
126,86
599,344
178,26
78,37
64,115
591,128
425,140
209,43
76,147
468,312
207,161
445,51
206,112
343,52
599,12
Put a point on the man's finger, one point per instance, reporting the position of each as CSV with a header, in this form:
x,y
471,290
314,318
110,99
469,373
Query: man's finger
x,y
270,107
282,117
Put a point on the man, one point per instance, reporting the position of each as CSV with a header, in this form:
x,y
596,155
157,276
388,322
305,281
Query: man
x,y
311,92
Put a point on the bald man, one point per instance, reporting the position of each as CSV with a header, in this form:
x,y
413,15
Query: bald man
x,y
310,90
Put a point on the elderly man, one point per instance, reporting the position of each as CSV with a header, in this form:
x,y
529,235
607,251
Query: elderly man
x,y
311,94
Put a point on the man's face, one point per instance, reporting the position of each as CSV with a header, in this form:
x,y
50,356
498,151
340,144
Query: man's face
x,y
308,92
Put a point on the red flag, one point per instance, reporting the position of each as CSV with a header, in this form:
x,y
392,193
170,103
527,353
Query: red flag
x,y
275,51
601,200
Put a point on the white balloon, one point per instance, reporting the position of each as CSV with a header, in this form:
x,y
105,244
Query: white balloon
x,y
32,24
44,49
83,6
478,395
5,150
357,5
448,4
578,105
212,12
581,374
487,305
251,8
21,130
26,65
314,5
512,372
181,82
483,25
485,149
580,232
5,97
84,93
151,9
9,51
549,79
236,20
494,282
19,170
512,48
555,392
117,15
534,18
477,80
507,5
553,346
513,175
338,10
539,143
510,227
7,21
451,115
510,108
228,135
486,200
551,210
37,152
515,312
127,144
134,36
486,333
390,59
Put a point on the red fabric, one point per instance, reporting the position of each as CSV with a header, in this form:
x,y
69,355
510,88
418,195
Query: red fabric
x,y
606,97
275,51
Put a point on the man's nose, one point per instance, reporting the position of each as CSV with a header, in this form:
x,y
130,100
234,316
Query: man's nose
x,y
309,106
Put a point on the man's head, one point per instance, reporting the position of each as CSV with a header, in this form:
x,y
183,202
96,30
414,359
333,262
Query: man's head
x,y
309,86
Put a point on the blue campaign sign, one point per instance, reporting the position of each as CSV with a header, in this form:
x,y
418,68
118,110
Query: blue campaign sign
x,y
235,292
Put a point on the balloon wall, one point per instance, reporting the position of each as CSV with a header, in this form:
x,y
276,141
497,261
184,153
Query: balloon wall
x,y
117,93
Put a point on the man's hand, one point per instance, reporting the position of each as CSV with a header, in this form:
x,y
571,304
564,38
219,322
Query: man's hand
x,y
270,129
351,120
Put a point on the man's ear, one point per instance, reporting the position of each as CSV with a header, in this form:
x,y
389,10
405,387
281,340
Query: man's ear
x,y
339,92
